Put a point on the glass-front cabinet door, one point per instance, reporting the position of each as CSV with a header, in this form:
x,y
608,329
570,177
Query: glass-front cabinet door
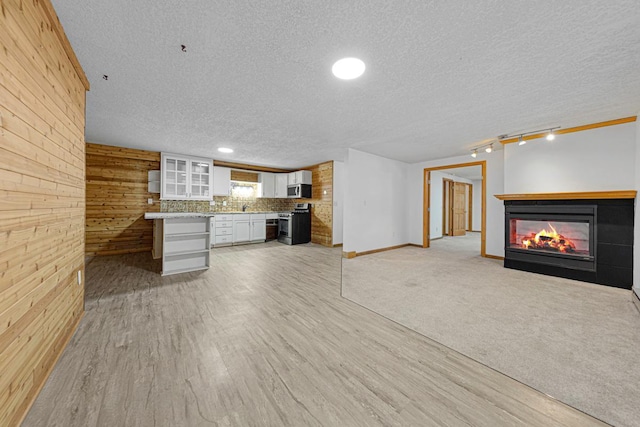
x,y
174,174
185,178
200,180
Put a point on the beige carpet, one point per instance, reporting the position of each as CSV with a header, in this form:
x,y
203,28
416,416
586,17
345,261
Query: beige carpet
x,y
577,342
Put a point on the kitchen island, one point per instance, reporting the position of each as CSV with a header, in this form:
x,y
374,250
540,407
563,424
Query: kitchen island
x,y
182,240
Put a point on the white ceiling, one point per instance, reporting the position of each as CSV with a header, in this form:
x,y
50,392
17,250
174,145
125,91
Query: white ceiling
x,y
256,77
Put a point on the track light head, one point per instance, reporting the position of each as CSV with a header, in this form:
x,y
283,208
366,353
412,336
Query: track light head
x,y
489,148
475,153
551,136
521,141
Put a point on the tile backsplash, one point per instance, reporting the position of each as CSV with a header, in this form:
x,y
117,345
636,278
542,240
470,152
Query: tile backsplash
x,y
234,204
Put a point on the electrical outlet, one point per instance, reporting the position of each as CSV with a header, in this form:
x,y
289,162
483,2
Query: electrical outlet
x,y
79,277
224,203
212,203
150,201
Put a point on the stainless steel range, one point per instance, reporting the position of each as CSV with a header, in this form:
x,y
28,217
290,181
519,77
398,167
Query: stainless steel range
x,y
295,227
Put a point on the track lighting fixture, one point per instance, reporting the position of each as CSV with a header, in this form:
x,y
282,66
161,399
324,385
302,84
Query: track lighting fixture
x,y
487,147
548,132
519,137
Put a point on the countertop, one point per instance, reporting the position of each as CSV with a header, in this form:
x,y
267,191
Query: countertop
x,y
165,215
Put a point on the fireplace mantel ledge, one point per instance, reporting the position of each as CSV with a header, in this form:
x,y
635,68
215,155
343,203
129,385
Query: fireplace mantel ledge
x,y
616,194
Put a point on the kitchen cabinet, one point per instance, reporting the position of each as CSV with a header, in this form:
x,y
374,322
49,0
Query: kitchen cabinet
x,y
267,185
185,245
185,178
258,227
221,181
300,177
222,230
241,228
281,182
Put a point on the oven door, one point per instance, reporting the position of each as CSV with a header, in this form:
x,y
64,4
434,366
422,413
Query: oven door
x,y
284,230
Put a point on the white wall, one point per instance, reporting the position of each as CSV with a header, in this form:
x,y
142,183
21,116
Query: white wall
x,y
435,201
495,208
381,194
338,201
593,160
477,206
375,197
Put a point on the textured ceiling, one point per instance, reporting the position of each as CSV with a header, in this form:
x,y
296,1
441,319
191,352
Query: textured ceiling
x,y
256,76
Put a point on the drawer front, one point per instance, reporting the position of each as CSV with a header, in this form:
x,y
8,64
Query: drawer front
x,y
221,240
224,224
222,218
228,231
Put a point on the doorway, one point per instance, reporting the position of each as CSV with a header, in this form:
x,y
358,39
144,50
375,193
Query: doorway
x,y
457,205
457,209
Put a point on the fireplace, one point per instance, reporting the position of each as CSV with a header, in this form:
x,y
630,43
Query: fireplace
x,y
584,239
562,236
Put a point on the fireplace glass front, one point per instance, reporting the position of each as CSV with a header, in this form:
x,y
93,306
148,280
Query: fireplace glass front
x,y
562,236
556,237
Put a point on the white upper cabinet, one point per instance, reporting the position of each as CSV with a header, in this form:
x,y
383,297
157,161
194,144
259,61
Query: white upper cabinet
x,y
300,177
221,181
267,185
185,178
281,181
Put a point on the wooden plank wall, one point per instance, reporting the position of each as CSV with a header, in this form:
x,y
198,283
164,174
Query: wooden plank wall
x,y
322,210
42,170
117,199
244,176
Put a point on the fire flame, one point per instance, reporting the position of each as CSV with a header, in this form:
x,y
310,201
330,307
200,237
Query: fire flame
x,y
549,240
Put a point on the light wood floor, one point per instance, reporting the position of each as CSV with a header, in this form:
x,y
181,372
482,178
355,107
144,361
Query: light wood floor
x,y
263,338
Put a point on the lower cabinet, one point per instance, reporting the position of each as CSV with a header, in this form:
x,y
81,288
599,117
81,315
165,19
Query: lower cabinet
x,y
222,234
258,227
241,228
238,229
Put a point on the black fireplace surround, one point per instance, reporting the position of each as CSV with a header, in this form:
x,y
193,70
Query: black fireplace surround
x,y
592,239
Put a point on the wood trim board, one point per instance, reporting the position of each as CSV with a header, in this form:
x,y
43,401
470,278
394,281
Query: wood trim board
x,y
243,166
580,195
572,129
426,201
353,254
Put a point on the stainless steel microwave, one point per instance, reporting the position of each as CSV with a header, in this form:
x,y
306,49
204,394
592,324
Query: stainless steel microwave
x,y
297,191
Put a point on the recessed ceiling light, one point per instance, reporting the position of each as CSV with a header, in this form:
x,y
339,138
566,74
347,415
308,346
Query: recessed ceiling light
x,y
348,68
225,150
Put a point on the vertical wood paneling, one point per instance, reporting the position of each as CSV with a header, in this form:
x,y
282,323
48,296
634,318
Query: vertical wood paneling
x,y
42,186
117,199
322,201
